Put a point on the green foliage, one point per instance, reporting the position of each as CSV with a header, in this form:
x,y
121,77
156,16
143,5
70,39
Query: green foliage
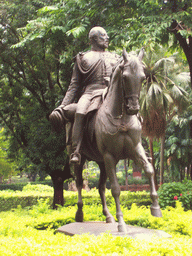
x,y
38,188
13,186
32,193
24,233
178,145
170,193
10,199
41,207
38,42
19,186
161,94
6,167
131,180
30,87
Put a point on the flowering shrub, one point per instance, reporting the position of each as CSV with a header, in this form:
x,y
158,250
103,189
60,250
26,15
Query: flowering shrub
x,y
169,193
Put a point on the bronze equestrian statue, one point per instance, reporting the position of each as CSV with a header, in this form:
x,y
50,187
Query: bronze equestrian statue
x,y
91,72
112,131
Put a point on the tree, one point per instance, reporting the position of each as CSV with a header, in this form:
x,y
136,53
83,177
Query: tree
x,y
38,40
178,146
161,97
29,91
162,22
37,64
7,168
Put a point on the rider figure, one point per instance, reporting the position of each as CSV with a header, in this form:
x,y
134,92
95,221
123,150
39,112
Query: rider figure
x,y
91,72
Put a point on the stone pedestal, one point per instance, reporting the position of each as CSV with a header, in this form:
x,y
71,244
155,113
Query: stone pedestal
x,y
97,228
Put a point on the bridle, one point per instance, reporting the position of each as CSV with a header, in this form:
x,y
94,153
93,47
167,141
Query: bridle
x,y
130,97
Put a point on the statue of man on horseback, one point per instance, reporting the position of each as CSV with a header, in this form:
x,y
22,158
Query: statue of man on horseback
x,y
92,71
111,133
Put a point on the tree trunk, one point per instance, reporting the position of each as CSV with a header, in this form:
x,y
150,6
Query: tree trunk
x,y
191,171
162,159
58,177
58,198
153,161
186,44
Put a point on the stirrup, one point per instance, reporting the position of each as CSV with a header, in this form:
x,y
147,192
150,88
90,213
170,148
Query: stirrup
x,y
75,158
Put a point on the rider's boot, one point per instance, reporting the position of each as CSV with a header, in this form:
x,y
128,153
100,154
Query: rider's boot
x,y
77,136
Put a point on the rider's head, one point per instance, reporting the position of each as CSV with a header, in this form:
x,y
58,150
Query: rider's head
x,y
98,38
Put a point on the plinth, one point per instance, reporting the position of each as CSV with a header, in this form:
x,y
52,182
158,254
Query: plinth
x,y
98,227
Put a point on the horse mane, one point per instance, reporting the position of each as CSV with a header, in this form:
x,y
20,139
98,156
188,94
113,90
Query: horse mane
x,y
114,70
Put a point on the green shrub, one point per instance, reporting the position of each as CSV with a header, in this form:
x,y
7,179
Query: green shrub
x,y
94,181
169,193
38,188
19,186
24,233
14,186
32,193
10,200
127,198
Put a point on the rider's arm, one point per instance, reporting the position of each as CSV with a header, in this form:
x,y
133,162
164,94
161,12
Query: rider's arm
x,y
74,87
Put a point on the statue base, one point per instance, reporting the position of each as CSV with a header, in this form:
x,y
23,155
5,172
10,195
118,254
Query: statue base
x,y
98,227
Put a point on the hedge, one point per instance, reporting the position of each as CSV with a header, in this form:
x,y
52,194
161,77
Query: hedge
x,y
19,186
27,198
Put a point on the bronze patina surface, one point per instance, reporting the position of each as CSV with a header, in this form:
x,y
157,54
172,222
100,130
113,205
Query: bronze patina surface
x,y
112,132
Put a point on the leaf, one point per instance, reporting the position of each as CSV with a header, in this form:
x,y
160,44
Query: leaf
x,y
154,93
76,32
173,148
178,91
56,28
48,9
161,62
184,33
183,77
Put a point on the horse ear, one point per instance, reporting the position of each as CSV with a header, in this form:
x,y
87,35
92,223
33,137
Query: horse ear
x,y
141,54
125,55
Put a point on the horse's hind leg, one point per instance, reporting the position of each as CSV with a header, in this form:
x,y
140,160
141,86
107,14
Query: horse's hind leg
x,y
102,187
141,159
110,166
79,184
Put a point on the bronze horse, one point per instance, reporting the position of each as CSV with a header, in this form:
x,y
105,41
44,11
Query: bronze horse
x,y
117,135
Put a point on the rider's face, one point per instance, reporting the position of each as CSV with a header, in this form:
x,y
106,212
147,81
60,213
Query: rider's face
x,y
102,39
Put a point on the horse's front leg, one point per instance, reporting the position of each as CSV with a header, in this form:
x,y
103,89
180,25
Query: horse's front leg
x,y
102,187
141,159
110,166
79,184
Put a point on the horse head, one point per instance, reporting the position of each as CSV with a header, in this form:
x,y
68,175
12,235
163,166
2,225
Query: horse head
x,y
132,78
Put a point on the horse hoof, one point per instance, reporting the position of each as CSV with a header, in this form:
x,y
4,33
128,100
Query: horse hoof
x,y
110,220
122,228
79,216
156,211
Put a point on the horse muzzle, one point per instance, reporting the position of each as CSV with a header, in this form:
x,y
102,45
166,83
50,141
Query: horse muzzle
x,y
132,105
